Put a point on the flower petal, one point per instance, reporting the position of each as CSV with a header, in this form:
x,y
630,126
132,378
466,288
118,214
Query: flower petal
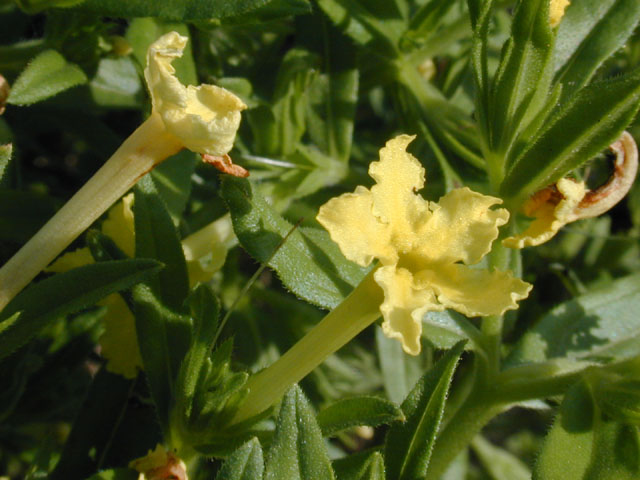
x,y
205,118
404,305
398,176
119,341
549,218
351,224
119,225
473,291
461,228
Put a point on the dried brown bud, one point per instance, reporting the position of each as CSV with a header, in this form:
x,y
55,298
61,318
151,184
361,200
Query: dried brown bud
x,y
4,93
225,165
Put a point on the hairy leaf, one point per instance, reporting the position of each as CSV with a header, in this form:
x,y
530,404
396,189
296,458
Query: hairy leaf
x,y
356,411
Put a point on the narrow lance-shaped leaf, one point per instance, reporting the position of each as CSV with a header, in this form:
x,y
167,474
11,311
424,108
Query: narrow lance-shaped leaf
x,y
408,445
594,118
180,10
245,463
298,451
65,293
163,332
47,75
590,32
522,80
365,465
353,412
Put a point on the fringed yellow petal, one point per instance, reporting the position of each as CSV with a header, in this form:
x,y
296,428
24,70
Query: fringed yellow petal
x,y
398,176
204,118
461,228
549,217
119,341
119,225
154,459
359,234
556,11
70,260
404,306
474,292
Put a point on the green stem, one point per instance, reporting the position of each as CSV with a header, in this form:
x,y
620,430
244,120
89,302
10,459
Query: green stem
x,y
146,147
354,314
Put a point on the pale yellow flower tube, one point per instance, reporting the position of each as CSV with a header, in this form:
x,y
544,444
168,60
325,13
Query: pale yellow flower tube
x,y
204,119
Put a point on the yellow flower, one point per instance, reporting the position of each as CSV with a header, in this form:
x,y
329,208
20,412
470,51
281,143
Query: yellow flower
x,y
205,118
425,248
556,11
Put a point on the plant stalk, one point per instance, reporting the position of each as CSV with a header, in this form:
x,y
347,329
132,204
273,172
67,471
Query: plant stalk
x,y
147,146
354,314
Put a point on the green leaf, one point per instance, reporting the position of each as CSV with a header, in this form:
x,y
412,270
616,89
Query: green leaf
x,y
5,160
298,451
522,81
205,309
598,325
501,464
181,10
583,446
593,119
66,293
172,178
157,237
91,436
374,23
308,263
244,464
353,412
408,445
47,75
590,32
360,466
332,98
567,448
163,332
117,84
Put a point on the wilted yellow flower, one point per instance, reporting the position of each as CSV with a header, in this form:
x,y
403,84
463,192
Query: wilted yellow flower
x,y
551,209
556,11
425,248
569,200
159,464
205,118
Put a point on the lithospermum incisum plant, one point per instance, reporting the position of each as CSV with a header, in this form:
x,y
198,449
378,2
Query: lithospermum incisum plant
x,y
431,273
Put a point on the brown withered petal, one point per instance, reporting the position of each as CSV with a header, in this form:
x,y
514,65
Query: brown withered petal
x,y
625,168
225,165
4,93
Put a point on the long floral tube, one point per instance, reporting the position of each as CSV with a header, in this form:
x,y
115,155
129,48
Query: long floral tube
x,y
359,310
146,147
